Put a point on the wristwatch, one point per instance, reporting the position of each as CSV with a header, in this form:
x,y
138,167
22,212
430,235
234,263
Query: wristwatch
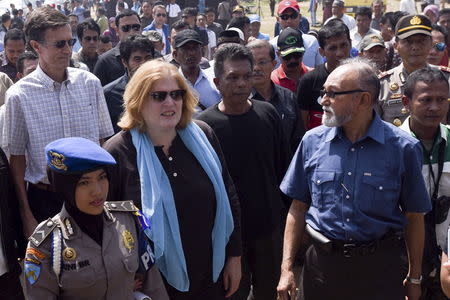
x,y
414,280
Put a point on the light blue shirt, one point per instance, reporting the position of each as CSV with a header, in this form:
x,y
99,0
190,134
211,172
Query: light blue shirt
x,y
263,36
358,191
205,89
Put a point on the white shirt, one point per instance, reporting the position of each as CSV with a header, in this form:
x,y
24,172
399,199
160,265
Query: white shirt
x,y
348,20
205,89
173,10
408,6
40,110
357,38
161,32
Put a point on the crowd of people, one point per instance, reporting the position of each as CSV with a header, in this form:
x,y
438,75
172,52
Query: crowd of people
x,y
170,150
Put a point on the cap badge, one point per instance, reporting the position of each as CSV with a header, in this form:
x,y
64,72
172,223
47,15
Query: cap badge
x,y
415,20
128,240
375,39
58,161
290,40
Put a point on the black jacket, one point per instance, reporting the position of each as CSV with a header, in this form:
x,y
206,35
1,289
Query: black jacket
x,y
13,242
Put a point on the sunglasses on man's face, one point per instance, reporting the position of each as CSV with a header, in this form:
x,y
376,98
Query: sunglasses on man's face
x,y
439,46
61,44
286,17
295,55
161,15
90,38
135,27
160,96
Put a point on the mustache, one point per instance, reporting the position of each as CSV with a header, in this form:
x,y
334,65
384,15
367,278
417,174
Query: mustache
x,y
293,64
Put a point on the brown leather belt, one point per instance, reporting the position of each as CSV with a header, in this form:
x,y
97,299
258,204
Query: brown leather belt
x,y
42,186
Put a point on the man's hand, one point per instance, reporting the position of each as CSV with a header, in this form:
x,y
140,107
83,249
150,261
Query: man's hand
x,y
232,275
29,225
413,291
286,287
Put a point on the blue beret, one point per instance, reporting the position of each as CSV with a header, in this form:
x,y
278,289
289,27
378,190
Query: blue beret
x,y
76,155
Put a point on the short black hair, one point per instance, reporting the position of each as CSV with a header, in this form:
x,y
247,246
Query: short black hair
x,y
105,39
6,18
15,12
179,25
332,29
397,16
239,22
87,24
388,17
126,13
445,11
14,35
427,75
191,11
442,30
86,14
210,10
230,51
133,43
27,55
364,11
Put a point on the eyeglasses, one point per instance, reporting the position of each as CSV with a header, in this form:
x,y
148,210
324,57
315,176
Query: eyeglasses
x,y
287,17
161,15
61,44
332,94
135,27
296,55
90,38
439,46
160,96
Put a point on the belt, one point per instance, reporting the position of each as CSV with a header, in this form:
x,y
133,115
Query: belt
x,y
350,249
42,186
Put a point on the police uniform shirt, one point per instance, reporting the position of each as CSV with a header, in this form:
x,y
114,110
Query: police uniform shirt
x,y
356,194
88,271
390,106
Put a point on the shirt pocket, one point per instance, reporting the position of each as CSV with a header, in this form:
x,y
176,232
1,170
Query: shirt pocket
x,y
131,263
380,195
323,189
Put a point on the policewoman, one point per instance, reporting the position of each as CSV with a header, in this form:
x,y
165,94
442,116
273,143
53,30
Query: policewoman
x,y
92,249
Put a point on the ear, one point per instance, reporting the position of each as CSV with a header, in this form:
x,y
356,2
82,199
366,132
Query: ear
x,y
395,45
366,101
321,52
124,63
406,101
217,82
174,54
36,46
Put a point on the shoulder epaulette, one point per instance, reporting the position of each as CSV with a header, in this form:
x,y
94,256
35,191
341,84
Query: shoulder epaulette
x,y
41,232
444,69
121,206
385,74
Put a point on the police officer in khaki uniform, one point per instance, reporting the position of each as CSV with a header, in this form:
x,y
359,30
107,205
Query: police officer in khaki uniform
x,y
92,249
413,43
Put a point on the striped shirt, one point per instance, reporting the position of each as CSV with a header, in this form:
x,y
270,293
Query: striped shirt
x,y
40,110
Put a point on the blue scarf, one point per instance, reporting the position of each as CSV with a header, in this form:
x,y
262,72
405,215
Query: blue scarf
x,y
159,206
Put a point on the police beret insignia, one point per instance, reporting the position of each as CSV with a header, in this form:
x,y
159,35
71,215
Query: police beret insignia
x,y
58,160
415,20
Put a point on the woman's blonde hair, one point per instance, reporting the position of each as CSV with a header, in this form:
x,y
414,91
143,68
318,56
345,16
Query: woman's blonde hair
x,y
139,88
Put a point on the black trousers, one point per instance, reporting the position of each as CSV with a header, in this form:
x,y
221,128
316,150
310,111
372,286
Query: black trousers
x,y
205,291
376,276
43,204
10,288
261,262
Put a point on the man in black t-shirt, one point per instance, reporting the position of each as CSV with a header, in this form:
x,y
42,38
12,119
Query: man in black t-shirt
x,y
257,155
335,45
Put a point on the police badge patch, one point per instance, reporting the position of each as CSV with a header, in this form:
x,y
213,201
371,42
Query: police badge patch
x,y
32,271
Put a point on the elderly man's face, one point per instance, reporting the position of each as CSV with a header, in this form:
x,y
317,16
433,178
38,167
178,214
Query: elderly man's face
x,y
189,55
376,54
264,65
338,110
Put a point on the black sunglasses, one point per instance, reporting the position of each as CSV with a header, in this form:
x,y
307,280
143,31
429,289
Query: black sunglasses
x,y
287,17
61,44
296,55
160,96
332,94
91,38
161,15
135,27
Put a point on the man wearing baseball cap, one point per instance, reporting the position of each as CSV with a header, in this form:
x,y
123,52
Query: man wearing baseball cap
x,y
338,10
290,50
372,47
188,53
289,16
413,42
